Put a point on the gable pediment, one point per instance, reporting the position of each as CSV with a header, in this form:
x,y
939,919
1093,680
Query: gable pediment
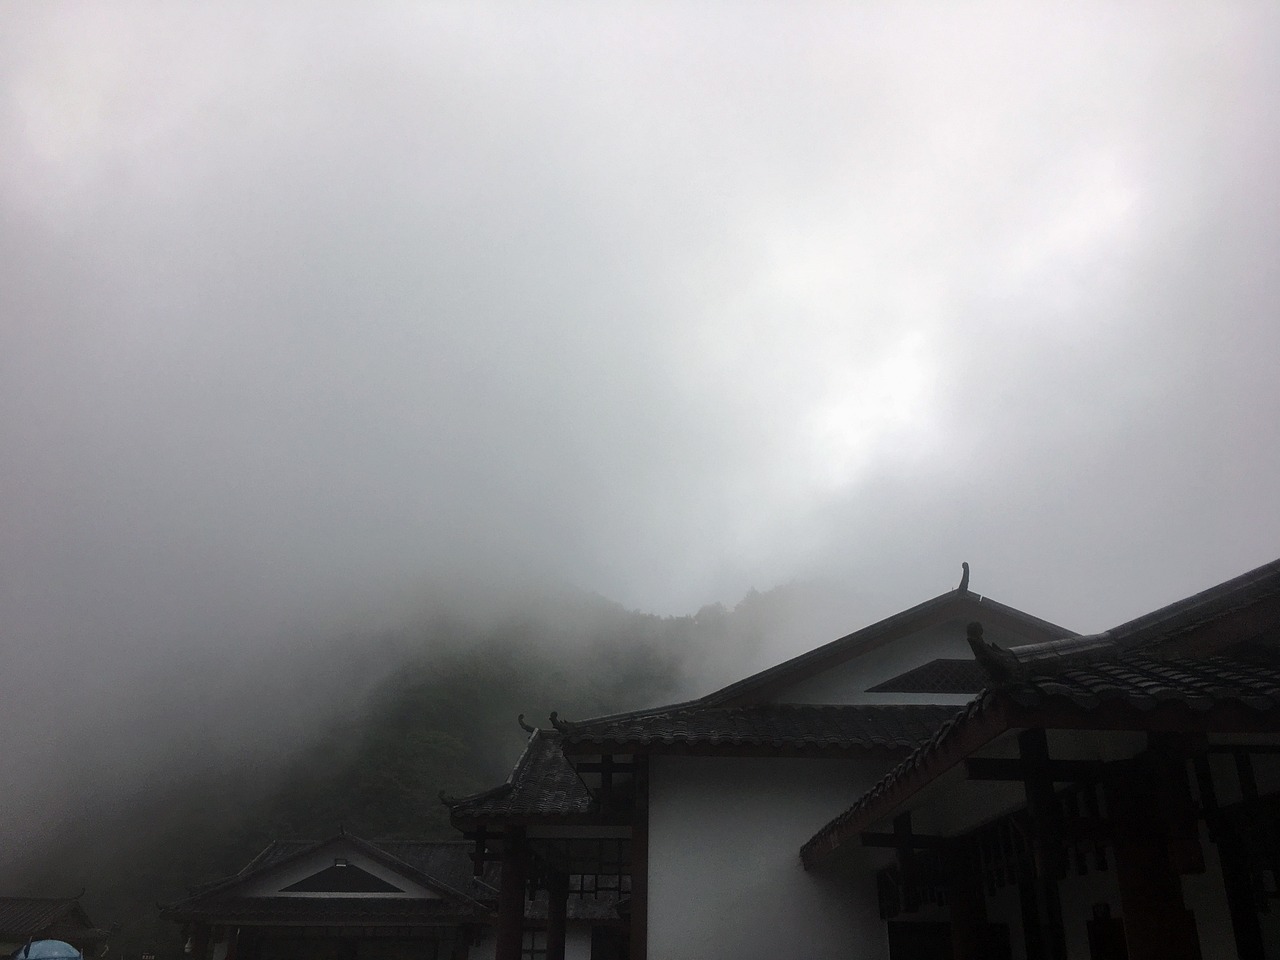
x,y
338,868
846,670
342,877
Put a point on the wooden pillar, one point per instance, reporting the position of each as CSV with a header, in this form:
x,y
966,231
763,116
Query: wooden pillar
x,y
639,947
1041,904
1157,923
510,933
462,943
1237,881
200,942
557,907
968,908
905,848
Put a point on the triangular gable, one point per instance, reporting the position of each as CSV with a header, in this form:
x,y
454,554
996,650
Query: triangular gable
x,y
842,671
300,871
342,877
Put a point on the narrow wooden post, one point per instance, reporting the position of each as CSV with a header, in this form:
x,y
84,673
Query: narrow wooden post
x,y
639,948
968,908
1234,857
462,943
1046,820
557,908
1157,923
200,942
510,934
905,846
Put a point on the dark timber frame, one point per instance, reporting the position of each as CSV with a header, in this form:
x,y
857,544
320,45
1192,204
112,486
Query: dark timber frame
x,y
1149,835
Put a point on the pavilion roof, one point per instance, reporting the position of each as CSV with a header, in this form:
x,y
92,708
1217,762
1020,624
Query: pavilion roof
x,y
542,786
1233,613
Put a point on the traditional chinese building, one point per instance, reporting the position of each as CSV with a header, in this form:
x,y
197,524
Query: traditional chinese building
x,y
343,899
346,898
962,779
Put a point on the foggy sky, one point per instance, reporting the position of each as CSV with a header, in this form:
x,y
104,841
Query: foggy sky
x,y
307,307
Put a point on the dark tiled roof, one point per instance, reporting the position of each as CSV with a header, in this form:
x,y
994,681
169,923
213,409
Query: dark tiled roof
x,y
448,861
891,726
937,676
333,911
1145,682
1248,605
1168,624
22,917
1138,682
543,784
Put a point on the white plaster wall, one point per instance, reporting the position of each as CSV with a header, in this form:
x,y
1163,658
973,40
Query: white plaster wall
x,y
725,879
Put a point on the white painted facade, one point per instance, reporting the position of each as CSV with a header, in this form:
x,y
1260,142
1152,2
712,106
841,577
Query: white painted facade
x,y
725,878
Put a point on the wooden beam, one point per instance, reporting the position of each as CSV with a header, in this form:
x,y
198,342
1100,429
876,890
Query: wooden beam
x,y
914,840
607,765
816,750
1060,771
1264,749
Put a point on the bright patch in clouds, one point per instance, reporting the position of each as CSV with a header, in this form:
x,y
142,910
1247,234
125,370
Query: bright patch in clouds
x,y
878,411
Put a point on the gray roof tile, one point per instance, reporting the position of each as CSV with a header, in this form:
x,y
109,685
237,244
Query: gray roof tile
x,y
892,726
542,784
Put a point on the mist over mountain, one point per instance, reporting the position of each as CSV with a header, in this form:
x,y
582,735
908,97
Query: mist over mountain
x,y
203,765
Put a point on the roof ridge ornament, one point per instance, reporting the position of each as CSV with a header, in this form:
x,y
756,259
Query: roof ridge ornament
x,y
964,581
559,724
526,727
996,662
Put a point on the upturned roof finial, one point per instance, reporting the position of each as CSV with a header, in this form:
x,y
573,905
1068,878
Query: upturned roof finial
x,y
998,664
964,578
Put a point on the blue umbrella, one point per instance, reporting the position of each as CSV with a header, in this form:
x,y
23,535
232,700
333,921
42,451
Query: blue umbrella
x,y
47,950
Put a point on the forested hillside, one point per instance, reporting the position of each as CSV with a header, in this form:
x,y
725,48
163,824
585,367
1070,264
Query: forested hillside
x,y
440,716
